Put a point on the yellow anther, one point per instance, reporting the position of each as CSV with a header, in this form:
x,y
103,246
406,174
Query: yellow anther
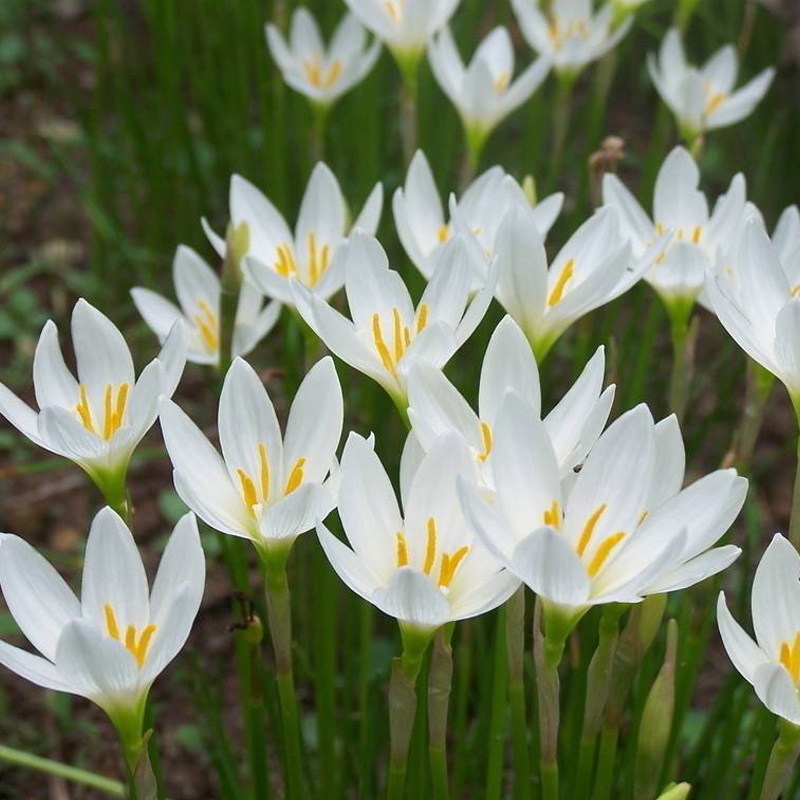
x,y
392,10
552,516
501,82
795,289
402,550
659,228
83,408
263,463
111,621
208,326
642,517
680,235
449,566
317,259
130,638
144,644
380,345
588,530
318,78
136,646
563,278
114,411
248,489
790,657
430,548
296,476
486,435
399,339
407,335
596,564
422,317
443,234
714,102
285,265
696,234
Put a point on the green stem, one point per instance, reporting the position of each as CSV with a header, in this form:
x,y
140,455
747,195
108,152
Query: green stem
x,y
20,758
365,638
494,770
114,488
604,778
561,114
682,347
402,710
794,519
317,132
440,680
280,626
409,96
781,761
515,649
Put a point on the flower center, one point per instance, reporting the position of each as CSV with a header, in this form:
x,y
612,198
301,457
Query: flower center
x,y
561,33
443,234
501,81
286,264
401,337
790,657
320,77
136,643
318,259
394,8
255,489
603,550
207,325
448,564
714,99
115,400
486,435
558,290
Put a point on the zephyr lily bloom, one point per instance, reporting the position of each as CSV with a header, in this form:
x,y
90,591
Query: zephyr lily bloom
x,y
421,566
112,643
484,93
679,207
405,26
263,487
771,663
386,334
98,419
420,219
626,529
322,74
761,309
198,290
311,255
593,268
436,407
570,35
704,98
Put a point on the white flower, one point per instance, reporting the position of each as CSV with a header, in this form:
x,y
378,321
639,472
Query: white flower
x,y
484,93
704,98
263,487
761,309
423,228
198,291
387,335
626,529
323,74
112,643
570,35
771,663
421,566
312,254
436,407
593,268
97,420
681,209
786,238
404,25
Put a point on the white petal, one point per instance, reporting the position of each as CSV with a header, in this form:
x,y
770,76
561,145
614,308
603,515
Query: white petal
x,y
370,216
776,691
20,415
31,667
349,566
159,313
412,597
53,382
745,654
296,513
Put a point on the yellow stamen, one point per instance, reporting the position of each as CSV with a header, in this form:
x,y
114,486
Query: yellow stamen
x,y
430,549
296,477
449,566
486,435
402,550
108,414
501,82
380,345
285,265
392,10
422,317
790,657
144,644
795,289
552,516
659,228
111,621
713,102
643,516
208,325
696,234
588,529
83,408
563,278
407,335
130,638
317,260
399,344
248,489
263,463
315,76
603,552
444,233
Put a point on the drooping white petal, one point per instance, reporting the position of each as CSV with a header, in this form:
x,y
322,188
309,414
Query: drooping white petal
x,y
53,382
413,598
33,668
745,654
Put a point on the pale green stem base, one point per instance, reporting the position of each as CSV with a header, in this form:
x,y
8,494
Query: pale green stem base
x,y
440,681
515,644
781,762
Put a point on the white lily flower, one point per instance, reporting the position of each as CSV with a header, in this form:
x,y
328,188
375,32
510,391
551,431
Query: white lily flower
x,y
198,289
626,529
680,208
570,34
97,420
760,309
704,98
386,334
771,663
485,92
436,407
312,254
264,487
323,74
421,566
112,643
593,268
423,228
405,26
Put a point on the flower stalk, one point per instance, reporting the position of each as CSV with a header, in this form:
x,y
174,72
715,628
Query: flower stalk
x,y
440,681
781,761
237,244
794,519
409,98
515,648
684,334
